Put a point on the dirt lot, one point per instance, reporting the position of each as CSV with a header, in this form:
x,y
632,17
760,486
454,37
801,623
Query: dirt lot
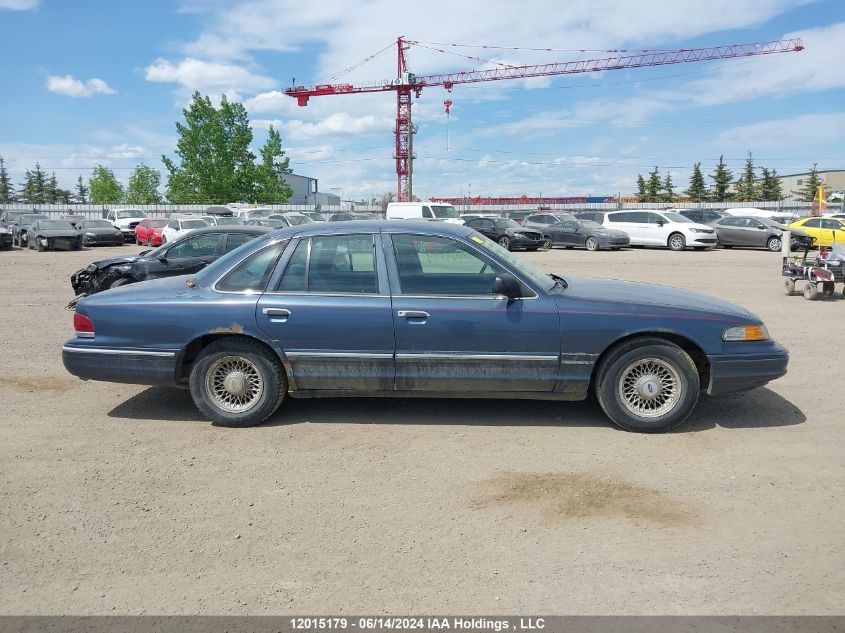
x,y
121,499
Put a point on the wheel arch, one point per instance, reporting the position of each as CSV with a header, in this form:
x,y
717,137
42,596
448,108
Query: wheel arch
x,y
699,357
189,353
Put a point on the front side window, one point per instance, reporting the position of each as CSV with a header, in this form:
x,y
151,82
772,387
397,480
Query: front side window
x,y
832,224
444,211
337,264
426,212
200,246
251,275
813,223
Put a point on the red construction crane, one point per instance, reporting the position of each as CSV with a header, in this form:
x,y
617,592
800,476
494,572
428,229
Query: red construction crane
x,y
406,83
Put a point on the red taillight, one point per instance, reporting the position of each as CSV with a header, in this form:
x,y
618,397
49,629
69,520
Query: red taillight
x,y
82,325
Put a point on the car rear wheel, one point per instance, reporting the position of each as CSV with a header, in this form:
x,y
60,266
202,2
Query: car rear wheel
x,y
648,386
677,242
773,244
547,244
505,242
237,383
149,241
592,243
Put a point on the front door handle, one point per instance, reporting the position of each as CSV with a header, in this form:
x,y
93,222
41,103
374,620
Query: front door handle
x,y
413,314
277,312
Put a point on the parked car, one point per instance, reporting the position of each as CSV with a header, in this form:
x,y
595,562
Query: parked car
x,y
293,218
826,231
126,220
222,220
249,213
661,228
53,235
21,224
273,223
180,257
756,233
539,221
416,309
178,227
100,232
428,210
518,216
347,216
507,233
73,219
583,234
703,216
149,231
7,218
595,216
317,217
5,238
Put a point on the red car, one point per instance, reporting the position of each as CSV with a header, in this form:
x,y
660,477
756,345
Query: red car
x,y
149,231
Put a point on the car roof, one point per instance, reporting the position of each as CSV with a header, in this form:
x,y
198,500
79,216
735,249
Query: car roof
x,y
230,228
375,226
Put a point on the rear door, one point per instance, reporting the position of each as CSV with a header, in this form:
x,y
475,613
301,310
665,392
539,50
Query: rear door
x,y
453,334
328,307
634,223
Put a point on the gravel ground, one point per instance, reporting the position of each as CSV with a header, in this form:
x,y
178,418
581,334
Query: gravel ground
x,y
121,499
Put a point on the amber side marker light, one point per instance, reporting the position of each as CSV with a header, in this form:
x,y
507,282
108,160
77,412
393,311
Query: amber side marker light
x,y
746,333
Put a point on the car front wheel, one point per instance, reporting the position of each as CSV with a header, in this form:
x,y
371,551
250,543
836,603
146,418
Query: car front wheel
x,y
773,244
505,242
677,242
592,243
237,383
648,386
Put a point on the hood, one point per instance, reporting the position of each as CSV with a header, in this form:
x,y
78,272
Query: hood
x,y
100,230
120,259
698,225
59,233
650,296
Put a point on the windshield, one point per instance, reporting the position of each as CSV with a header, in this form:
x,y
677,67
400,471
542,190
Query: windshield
x,y
128,214
537,276
507,224
299,219
676,217
275,224
444,211
56,225
98,224
589,224
194,224
29,218
159,224
228,221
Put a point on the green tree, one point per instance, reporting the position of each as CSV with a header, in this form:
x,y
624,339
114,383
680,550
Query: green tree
x,y
746,187
722,178
7,189
668,189
810,188
697,189
270,185
143,186
80,196
51,189
216,165
34,186
104,187
641,192
653,186
770,188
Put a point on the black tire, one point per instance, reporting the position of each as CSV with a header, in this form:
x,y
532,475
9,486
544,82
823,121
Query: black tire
x,y
677,242
505,242
120,281
150,242
547,243
671,361
828,289
811,292
773,244
591,243
264,363
789,287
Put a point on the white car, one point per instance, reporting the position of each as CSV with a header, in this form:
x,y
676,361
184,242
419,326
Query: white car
x,y
652,227
125,220
222,220
435,211
178,227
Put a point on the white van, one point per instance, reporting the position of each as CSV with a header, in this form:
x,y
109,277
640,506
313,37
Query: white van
x,y
437,211
653,227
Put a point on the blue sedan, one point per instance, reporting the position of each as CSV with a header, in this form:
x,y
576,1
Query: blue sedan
x,y
414,309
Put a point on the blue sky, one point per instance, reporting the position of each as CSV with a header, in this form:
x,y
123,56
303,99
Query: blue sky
x,y
89,82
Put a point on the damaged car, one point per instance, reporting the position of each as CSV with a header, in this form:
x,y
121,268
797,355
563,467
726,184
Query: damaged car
x,y
20,226
99,232
5,238
185,256
53,235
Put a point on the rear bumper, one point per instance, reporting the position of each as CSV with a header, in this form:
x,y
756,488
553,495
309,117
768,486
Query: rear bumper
x,y
124,365
739,372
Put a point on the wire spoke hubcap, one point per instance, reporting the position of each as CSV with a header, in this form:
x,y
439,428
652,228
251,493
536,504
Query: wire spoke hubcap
x,y
650,388
234,384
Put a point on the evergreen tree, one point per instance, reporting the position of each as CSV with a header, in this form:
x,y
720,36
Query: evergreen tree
x,y
143,186
51,189
746,187
697,190
641,193
104,187
770,188
653,186
810,188
270,185
33,190
81,193
668,193
7,189
722,178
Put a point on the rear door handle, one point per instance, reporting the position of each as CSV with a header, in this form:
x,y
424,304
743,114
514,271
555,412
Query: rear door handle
x,y
277,312
413,314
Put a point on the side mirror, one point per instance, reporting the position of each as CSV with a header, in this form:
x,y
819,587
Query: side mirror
x,y
761,227
660,223
506,285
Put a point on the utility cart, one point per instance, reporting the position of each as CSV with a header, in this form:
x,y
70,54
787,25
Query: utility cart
x,y
819,271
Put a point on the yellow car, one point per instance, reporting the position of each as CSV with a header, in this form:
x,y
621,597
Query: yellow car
x,y
825,230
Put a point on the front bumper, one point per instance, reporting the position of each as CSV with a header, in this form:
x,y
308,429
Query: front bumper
x,y
705,240
123,365
739,372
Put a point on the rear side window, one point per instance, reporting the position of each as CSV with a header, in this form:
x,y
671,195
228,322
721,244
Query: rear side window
x,y
200,246
338,264
251,275
234,240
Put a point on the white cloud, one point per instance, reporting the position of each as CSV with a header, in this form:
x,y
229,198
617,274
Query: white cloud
x,y
207,77
336,125
73,87
19,5
800,131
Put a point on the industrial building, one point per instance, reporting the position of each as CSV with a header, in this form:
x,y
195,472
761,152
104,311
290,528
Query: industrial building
x,y
833,180
305,191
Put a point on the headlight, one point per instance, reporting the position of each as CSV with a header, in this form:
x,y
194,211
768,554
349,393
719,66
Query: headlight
x,y
694,230
90,235
746,333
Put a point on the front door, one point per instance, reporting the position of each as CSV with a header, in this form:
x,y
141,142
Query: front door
x,y
329,310
187,257
453,334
